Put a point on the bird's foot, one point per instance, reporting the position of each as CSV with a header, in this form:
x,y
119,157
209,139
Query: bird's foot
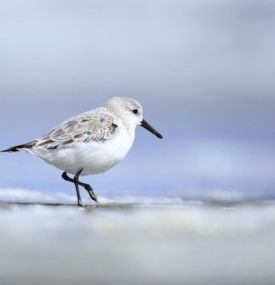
x,y
91,193
93,196
81,204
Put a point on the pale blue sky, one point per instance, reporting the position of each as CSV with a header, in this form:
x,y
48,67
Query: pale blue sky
x,y
204,71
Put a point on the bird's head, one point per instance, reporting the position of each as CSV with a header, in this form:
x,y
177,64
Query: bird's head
x,y
131,111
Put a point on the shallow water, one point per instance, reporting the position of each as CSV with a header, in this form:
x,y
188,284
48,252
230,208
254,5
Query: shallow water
x,y
138,241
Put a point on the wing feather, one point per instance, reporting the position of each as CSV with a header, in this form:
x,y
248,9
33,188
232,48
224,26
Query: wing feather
x,y
94,126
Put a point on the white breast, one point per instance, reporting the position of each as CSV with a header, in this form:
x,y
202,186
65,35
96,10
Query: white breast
x,y
93,157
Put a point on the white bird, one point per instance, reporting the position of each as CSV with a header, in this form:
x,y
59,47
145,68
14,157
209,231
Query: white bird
x,y
91,142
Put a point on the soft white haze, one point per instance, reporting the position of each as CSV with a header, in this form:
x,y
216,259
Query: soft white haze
x,y
194,208
202,69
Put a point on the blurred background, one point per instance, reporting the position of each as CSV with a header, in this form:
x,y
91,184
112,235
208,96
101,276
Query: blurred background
x,y
204,71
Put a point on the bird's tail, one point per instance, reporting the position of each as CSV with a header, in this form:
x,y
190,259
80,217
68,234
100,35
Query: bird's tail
x,y
19,147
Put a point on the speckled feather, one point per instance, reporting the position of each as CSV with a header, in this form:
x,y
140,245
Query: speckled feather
x,y
94,126
92,142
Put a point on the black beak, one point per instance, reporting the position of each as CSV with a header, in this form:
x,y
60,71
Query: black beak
x,y
148,127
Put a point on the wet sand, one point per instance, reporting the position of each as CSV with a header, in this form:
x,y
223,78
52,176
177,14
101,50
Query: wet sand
x,y
176,242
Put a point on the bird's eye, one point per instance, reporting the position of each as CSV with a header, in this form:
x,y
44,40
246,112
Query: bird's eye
x,y
135,111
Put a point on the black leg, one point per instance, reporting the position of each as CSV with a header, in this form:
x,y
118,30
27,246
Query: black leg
x,y
86,186
90,191
76,177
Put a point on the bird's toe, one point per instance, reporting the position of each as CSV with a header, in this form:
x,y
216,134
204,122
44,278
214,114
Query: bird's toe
x,y
81,204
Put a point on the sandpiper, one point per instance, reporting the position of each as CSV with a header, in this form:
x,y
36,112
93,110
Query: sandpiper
x,y
91,142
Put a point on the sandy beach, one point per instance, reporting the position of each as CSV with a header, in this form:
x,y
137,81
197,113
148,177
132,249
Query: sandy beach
x,y
138,241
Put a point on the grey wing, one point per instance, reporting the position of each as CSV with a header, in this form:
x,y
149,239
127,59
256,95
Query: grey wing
x,y
88,127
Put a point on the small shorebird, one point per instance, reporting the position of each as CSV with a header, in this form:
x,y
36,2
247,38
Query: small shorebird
x,y
91,142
